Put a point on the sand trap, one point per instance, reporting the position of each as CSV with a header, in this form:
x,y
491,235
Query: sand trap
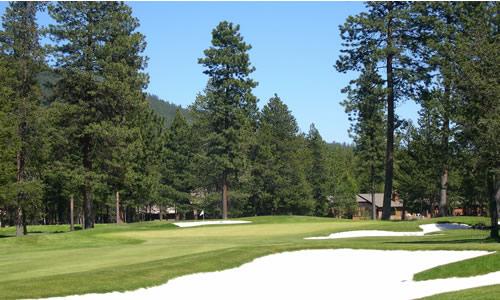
x,y
203,223
317,274
426,228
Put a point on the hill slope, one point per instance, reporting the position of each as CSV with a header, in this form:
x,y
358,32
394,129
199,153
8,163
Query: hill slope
x,y
165,109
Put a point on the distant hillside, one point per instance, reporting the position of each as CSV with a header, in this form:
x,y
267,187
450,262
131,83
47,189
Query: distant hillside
x,y
162,108
335,145
165,109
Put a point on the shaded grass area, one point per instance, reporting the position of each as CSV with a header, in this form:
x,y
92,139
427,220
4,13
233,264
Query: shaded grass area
x,y
130,256
471,267
491,292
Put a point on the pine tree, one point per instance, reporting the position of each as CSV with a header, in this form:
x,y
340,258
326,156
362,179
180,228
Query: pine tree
x,y
98,58
477,82
365,106
342,184
228,109
439,23
177,163
384,36
317,173
7,137
278,184
21,48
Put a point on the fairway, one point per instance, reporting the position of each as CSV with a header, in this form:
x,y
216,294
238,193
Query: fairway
x,y
131,256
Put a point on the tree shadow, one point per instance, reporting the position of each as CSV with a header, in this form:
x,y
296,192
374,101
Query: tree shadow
x,y
438,242
46,232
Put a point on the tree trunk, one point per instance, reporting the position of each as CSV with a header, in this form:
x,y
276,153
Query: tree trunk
x,y
494,205
118,217
71,213
19,221
374,206
389,153
443,201
161,213
403,213
87,192
224,197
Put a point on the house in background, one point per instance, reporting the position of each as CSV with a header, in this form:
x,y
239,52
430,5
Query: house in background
x,y
364,210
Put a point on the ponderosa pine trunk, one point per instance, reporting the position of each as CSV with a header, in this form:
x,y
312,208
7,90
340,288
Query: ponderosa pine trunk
x,y
87,188
374,206
494,205
118,217
224,196
389,153
443,200
19,222
71,213
19,219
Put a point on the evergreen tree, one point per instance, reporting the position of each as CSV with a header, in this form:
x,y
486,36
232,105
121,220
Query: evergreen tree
x,y
365,106
478,91
21,48
439,23
384,36
7,137
177,163
342,185
228,109
317,173
278,184
98,58
143,186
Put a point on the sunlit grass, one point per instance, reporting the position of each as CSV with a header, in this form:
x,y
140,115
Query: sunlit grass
x,y
129,256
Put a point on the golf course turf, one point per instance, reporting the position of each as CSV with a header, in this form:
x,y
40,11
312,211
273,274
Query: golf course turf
x,y
54,262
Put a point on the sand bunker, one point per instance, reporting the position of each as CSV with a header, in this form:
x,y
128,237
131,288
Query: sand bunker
x,y
203,223
426,228
317,274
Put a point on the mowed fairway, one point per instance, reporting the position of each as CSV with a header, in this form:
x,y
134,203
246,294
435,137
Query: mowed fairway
x,y
130,256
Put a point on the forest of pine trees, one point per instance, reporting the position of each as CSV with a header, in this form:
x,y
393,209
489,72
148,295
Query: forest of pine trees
x,y
78,130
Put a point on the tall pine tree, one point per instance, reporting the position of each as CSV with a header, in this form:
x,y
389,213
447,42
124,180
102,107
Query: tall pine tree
x,y
98,58
365,106
279,185
477,82
21,48
384,36
317,173
228,109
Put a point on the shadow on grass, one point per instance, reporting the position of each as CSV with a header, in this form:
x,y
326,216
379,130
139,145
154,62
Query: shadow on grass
x,y
47,232
437,242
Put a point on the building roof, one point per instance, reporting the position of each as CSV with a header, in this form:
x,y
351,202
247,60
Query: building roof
x,y
379,200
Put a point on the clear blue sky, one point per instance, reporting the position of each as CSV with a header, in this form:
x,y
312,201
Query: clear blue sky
x,y
295,46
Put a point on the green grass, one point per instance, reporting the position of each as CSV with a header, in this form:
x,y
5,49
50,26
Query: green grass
x,y
55,262
491,292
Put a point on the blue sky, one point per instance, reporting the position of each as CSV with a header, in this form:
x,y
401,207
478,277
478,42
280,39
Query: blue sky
x,y
295,45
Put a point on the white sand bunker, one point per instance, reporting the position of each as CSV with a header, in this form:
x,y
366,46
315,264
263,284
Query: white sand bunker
x,y
318,274
203,223
426,228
